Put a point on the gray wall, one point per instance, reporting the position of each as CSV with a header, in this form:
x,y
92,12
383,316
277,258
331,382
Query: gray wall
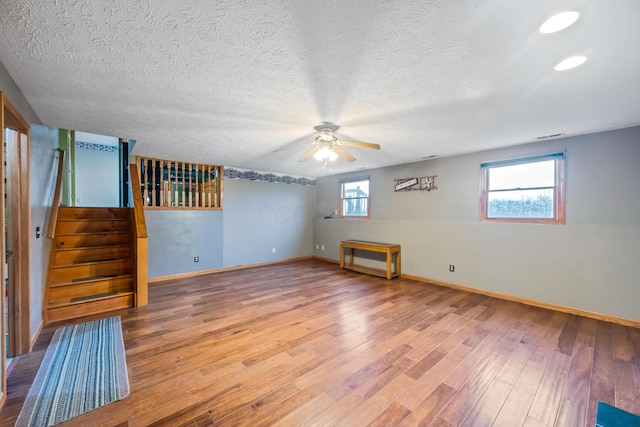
x,y
43,142
43,169
11,90
257,217
591,263
176,236
260,216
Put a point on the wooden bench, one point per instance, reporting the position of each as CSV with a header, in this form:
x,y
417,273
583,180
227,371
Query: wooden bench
x,y
387,248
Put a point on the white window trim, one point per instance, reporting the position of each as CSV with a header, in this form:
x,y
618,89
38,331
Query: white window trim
x,y
341,203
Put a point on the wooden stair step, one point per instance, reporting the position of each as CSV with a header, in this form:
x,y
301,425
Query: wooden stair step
x,y
91,240
94,278
90,262
94,248
96,297
81,272
69,256
70,290
81,226
89,220
66,213
92,233
62,310
93,297
89,279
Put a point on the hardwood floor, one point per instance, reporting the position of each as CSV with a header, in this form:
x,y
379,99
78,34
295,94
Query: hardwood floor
x,y
305,343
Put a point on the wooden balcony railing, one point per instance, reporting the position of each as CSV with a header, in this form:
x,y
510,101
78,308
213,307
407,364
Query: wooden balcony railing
x,y
170,184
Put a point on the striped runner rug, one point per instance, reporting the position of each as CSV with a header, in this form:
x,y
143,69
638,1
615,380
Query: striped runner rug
x,y
84,368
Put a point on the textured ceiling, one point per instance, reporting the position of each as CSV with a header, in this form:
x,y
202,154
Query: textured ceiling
x,y
229,82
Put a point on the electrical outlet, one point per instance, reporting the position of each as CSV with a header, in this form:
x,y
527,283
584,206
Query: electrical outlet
x,y
335,212
323,247
196,259
452,268
273,250
317,246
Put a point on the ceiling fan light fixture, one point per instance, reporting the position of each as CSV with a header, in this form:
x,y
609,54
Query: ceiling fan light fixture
x,y
325,137
559,22
325,154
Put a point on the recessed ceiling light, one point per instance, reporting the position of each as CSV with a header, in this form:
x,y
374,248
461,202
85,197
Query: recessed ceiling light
x,y
558,22
570,63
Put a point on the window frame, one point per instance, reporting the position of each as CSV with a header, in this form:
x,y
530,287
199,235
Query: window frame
x,y
558,189
341,202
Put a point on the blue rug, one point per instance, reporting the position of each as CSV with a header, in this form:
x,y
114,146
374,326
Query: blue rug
x,y
610,416
84,368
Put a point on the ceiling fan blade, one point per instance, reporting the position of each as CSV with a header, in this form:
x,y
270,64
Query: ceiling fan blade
x,y
310,153
361,144
295,144
344,153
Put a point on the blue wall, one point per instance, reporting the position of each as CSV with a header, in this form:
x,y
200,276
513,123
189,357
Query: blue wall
x,y
257,217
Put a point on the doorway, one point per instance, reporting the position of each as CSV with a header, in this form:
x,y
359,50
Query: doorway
x,y
14,239
96,170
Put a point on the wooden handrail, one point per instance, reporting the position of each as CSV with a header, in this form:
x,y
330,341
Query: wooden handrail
x,y
55,207
141,226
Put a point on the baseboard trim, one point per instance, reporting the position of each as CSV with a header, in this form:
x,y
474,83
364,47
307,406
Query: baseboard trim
x,y
157,279
36,335
320,258
550,306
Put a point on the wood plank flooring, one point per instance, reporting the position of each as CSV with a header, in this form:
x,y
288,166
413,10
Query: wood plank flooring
x,y
305,343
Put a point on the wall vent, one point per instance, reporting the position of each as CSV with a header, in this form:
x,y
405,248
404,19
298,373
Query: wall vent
x,y
555,135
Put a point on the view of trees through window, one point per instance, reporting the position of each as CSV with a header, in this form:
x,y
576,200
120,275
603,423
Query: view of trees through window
x,y
523,205
524,188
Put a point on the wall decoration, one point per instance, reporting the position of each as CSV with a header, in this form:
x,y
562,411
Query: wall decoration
x,y
266,176
97,147
422,183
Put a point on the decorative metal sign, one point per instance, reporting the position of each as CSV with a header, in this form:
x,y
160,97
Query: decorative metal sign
x,y
422,183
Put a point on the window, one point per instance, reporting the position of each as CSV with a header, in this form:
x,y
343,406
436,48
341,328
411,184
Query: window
x,y
529,189
354,198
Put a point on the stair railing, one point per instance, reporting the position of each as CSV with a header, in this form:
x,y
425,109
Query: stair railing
x,y
140,244
55,207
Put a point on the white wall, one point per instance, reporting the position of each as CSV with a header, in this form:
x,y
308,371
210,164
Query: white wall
x,y
97,175
591,263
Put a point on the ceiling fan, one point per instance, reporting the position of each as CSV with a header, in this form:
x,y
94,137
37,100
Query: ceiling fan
x,y
327,147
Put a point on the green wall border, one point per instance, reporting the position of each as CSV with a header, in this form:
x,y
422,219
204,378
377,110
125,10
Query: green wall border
x,y
67,142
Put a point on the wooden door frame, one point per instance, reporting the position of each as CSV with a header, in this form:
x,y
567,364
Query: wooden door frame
x,y
20,314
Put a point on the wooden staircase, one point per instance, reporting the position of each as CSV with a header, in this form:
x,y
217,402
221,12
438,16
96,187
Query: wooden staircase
x,y
92,265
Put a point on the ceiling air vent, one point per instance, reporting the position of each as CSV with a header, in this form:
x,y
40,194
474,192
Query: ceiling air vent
x,y
555,135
